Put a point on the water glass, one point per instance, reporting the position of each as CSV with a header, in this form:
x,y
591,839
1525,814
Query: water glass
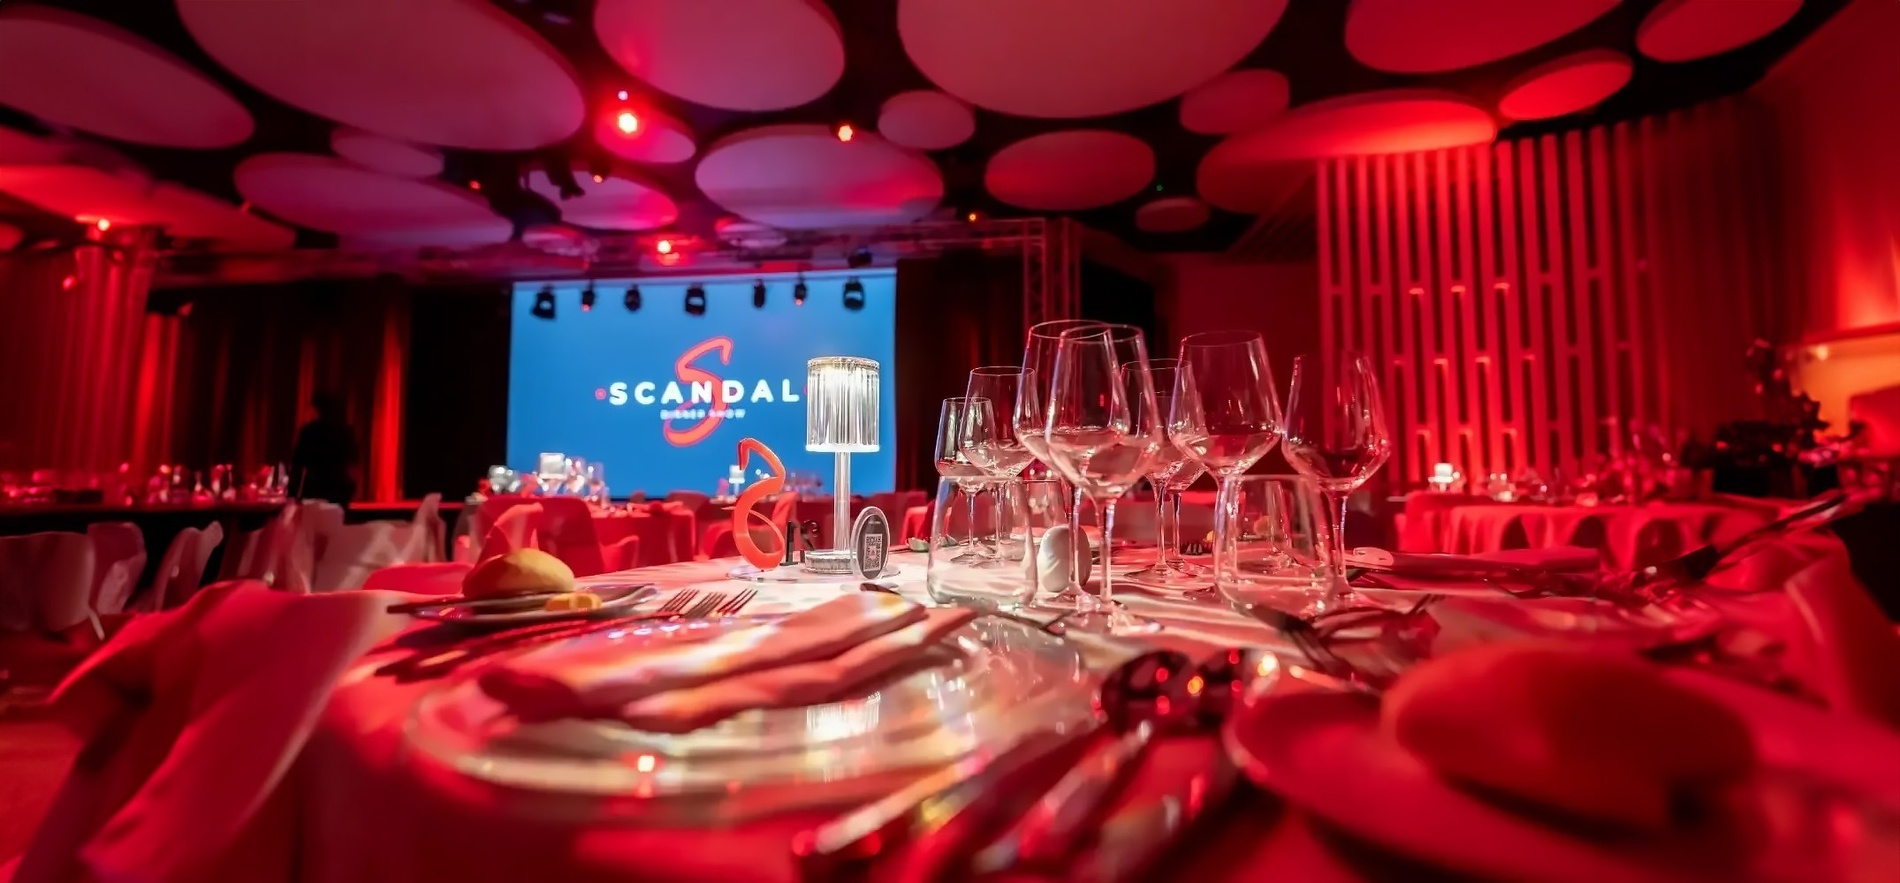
x,y
981,555
1271,537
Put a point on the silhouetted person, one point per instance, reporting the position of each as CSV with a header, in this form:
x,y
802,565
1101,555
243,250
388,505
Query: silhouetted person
x,y
323,466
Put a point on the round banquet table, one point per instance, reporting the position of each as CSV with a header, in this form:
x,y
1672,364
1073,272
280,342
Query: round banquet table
x,y
1627,537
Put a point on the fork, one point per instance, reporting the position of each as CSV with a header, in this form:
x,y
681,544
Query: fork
x,y
736,603
418,666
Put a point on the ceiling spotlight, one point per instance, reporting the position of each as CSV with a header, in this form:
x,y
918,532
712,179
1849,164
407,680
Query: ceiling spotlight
x,y
622,95
971,217
665,246
854,294
474,185
627,123
859,257
695,300
758,294
103,224
68,283
599,178
846,133
799,291
587,298
632,298
544,303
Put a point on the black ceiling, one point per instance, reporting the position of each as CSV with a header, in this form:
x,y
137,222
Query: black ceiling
x,y
1307,46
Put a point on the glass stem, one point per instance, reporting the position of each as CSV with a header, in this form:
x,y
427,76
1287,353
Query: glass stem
x,y
1108,540
1079,560
1161,527
969,499
1338,499
1171,527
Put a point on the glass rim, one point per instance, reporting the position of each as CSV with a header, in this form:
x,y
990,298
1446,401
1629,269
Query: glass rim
x,y
1057,327
1113,331
1228,337
1000,370
1266,477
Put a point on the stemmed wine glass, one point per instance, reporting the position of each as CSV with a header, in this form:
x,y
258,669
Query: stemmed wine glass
x,y
1226,413
1335,435
1104,431
991,438
954,462
1032,418
1172,472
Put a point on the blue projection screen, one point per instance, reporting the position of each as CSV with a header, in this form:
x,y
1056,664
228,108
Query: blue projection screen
x,y
641,390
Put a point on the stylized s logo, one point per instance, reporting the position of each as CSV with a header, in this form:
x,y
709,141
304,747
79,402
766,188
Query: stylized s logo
x,y
617,393
744,509
690,374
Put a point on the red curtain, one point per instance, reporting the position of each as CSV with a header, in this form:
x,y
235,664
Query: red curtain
x,y
252,357
954,313
82,364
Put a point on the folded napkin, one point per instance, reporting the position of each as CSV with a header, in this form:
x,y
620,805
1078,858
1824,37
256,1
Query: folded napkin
x,y
191,718
601,679
793,686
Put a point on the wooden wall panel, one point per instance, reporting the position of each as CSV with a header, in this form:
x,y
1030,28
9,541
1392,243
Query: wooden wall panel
x,y
1527,303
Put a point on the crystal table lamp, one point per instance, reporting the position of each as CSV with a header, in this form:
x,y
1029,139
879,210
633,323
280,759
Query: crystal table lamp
x,y
840,417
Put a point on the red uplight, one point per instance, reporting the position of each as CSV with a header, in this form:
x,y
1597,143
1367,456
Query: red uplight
x,y
67,283
474,185
846,133
627,122
665,246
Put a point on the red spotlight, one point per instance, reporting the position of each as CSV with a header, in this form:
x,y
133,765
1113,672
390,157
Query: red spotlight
x,y
67,283
665,246
627,122
846,133
103,224
474,185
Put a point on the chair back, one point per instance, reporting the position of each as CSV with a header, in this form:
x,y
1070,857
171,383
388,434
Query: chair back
x,y
1856,653
182,570
425,578
425,543
690,499
487,515
567,532
516,528
119,549
46,581
1878,412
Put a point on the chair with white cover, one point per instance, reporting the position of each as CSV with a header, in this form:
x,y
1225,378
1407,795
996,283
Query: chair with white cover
x,y
1855,653
349,553
47,624
281,554
182,570
119,562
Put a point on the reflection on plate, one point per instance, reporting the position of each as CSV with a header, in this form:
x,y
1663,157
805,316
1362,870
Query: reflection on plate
x,y
985,685
1805,817
528,610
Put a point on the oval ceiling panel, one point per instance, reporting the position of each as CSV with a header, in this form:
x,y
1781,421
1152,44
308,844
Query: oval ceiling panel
x,y
1410,37
656,137
1685,30
337,196
477,79
1069,171
800,176
387,155
78,71
926,120
731,54
1566,85
1078,58
1234,102
609,204
1171,214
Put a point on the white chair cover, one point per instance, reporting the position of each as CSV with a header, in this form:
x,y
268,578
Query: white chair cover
x,y
119,548
46,582
182,569
350,553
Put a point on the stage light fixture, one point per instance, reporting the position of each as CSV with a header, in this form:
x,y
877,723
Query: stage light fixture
x,y
665,246
799,291
854,294
695,300
544,303
758,294
846,133
632,298
622,95
587,298
627,123
858,258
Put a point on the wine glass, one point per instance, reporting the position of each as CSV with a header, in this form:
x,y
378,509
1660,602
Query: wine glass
x,y
953,462
1032,417
1225,410
1104,430
992,440
1335,434
1172,472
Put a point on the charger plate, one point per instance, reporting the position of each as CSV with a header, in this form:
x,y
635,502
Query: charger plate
x,y
982,687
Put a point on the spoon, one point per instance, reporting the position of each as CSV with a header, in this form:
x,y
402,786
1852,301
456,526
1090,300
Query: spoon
x,y
957,805
1153,693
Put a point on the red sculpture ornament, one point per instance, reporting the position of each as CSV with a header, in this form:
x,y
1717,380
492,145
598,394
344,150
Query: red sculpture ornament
x,y
743,511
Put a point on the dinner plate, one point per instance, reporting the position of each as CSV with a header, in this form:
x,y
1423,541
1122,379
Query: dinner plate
x,y
984,686
526,610
1827,797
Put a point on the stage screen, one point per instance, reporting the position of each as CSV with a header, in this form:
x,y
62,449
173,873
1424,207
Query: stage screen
x,y
641,391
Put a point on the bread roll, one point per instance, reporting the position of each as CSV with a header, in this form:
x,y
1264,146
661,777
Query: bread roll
x,y
520,572
1597,736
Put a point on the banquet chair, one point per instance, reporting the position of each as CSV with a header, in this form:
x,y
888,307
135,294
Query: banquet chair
x,y
119,550
718,542
487,515
182,569
1875,445
348,554
567,532
674,536
692,500
280,554
47,624
1855,652
420,578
